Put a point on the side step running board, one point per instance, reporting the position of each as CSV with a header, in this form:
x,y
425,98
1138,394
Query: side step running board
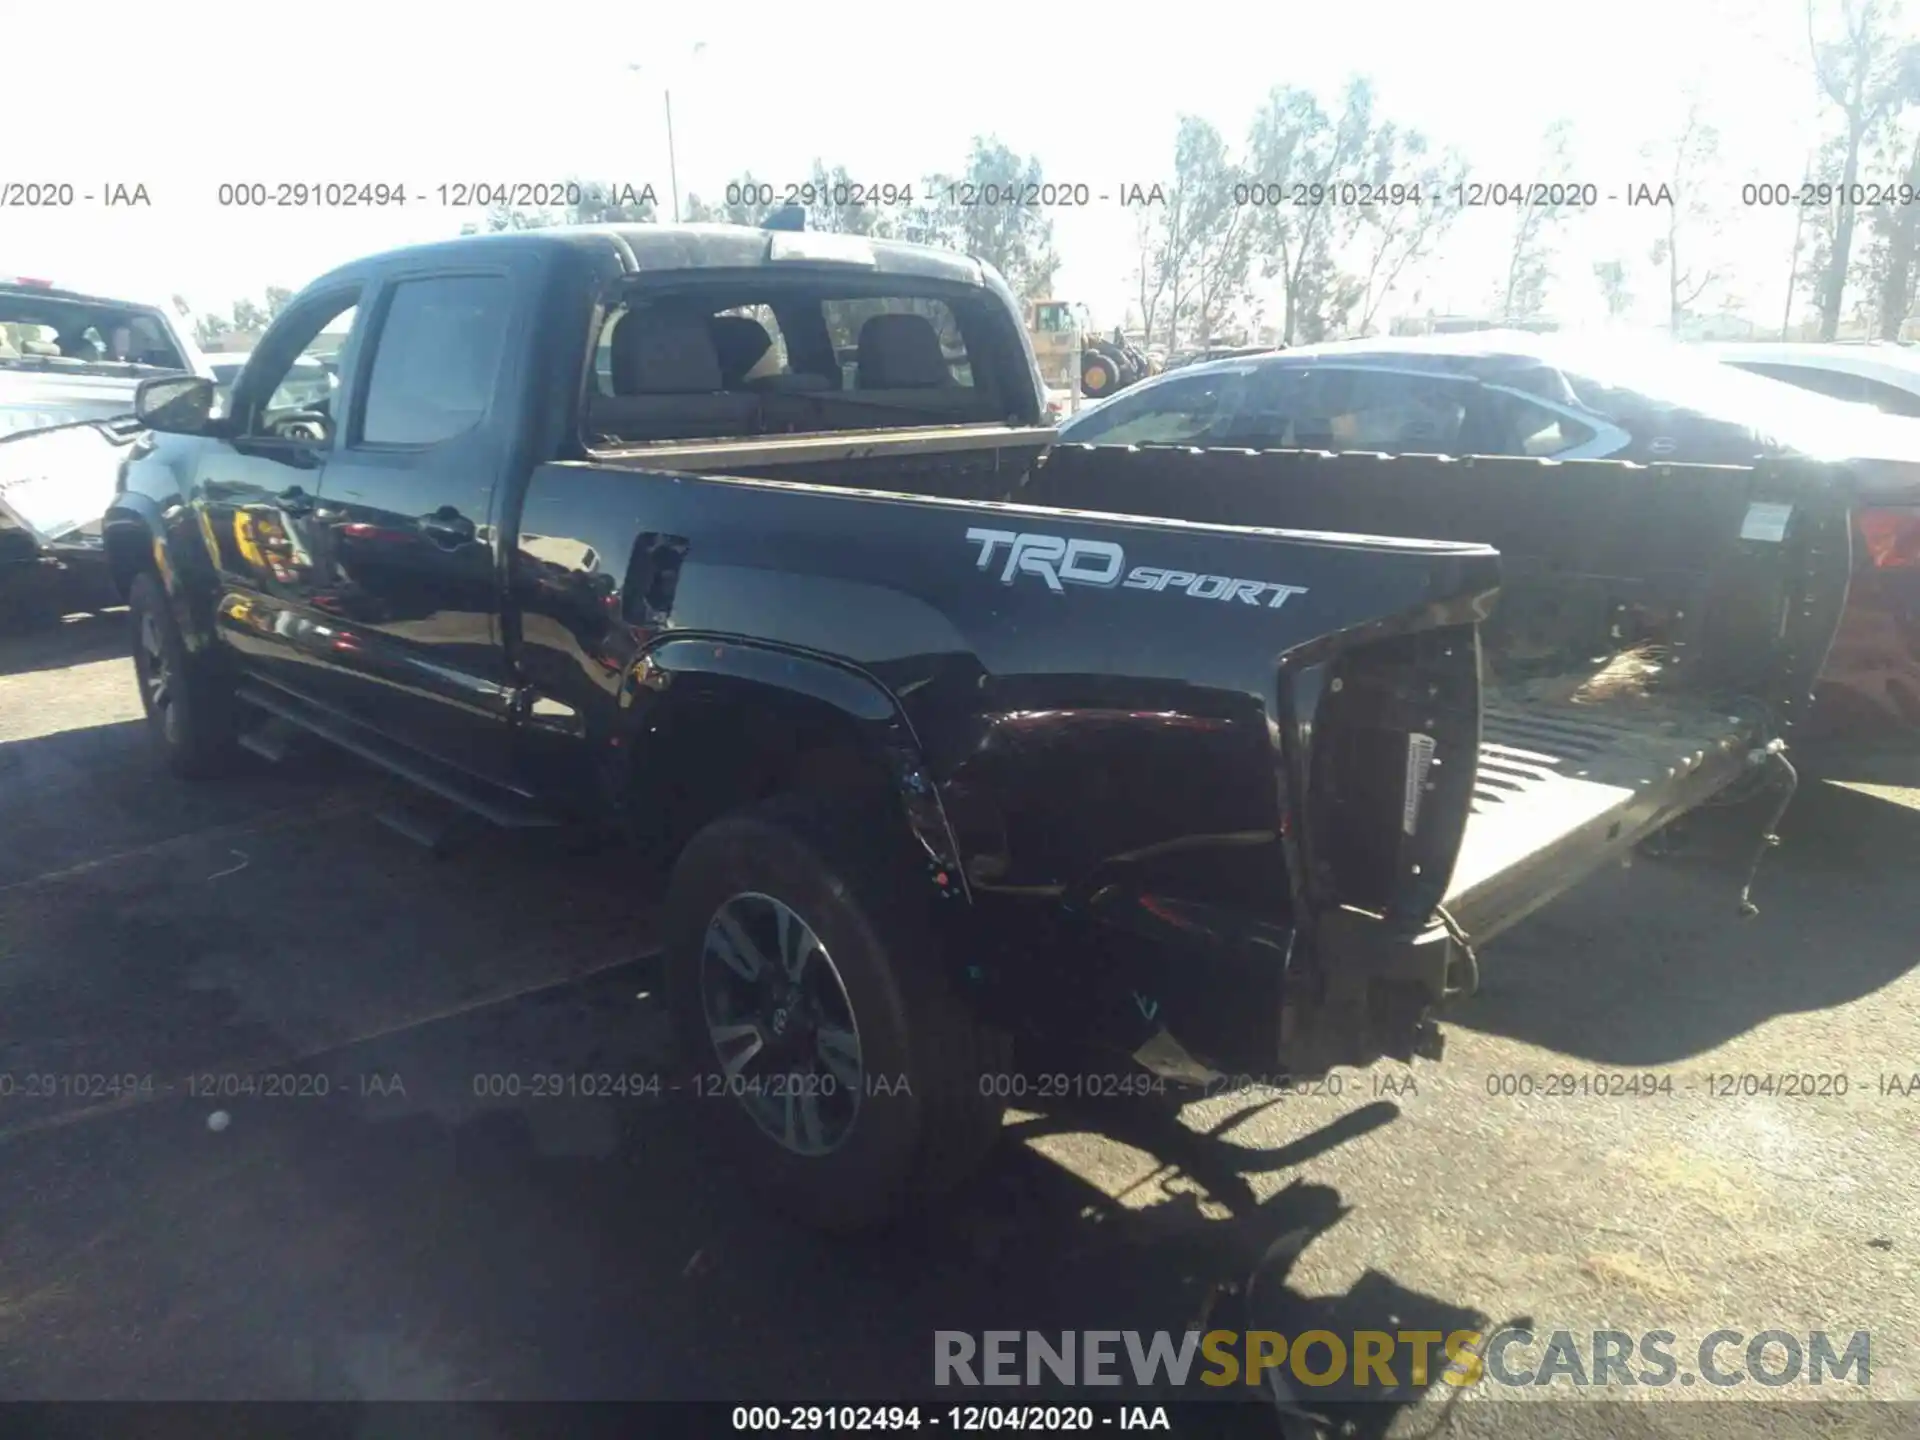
x,y
272,741
438,834
501,808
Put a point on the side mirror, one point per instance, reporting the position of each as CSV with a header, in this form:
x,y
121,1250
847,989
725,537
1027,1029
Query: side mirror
x,y
176,404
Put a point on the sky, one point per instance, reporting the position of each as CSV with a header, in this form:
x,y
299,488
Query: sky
x,y
189,97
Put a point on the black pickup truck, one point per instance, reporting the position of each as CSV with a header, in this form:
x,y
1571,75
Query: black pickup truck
x,y
752,546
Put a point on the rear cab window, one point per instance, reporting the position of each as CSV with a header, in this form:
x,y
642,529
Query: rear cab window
x,y
737,356
847,324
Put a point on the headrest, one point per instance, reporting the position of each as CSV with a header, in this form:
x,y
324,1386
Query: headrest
x,y
901,352
660,351
741,342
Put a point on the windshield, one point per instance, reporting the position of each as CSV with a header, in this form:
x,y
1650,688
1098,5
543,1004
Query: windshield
x,y
48,331
1812,424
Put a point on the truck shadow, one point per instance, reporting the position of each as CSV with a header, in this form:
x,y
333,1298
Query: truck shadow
x,y
43,639
441,1244
632,1269
1652,964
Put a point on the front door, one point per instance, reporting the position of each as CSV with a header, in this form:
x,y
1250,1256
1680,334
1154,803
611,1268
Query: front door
x,y
407,508
258,490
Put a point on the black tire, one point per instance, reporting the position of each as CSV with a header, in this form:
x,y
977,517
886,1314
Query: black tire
x,y
1097,376
922,1124
190,711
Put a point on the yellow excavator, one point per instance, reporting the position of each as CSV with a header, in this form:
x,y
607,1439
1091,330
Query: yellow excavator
x,y
1069,351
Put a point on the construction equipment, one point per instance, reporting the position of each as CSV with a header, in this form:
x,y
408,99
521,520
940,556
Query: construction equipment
x,y
1071,353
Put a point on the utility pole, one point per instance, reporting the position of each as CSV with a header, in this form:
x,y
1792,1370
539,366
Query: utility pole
x,y
673,166
673,160
1793,266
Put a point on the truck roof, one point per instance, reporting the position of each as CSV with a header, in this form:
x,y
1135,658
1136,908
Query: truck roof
x,y
639,248
38,290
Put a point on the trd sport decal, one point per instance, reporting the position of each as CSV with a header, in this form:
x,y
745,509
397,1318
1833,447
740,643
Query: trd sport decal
x,y
1103,564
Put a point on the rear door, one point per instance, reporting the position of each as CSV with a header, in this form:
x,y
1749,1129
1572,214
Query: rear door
x,y
407,506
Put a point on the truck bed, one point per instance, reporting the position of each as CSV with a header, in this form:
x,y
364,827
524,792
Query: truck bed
x,y
1641,651
1652,628
1563,784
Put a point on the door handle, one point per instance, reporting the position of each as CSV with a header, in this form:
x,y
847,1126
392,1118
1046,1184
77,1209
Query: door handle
x,y
653,575
447,526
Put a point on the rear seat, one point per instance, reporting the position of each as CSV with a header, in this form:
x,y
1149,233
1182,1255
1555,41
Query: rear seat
x,y
899,360
743,343
901,352
667,382
740,342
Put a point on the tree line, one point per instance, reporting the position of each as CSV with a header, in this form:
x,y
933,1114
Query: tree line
x,y
245,316
1220,250
1202,258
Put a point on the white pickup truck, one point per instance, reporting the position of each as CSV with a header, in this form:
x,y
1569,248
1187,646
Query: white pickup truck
x,y
69,364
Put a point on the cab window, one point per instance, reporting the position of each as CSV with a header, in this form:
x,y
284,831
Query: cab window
x,y
436,359
289,387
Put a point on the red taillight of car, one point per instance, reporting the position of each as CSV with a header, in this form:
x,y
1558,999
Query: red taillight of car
x,y
36,284
1892,538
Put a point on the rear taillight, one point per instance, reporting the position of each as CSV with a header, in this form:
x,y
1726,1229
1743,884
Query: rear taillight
x,y
1892,538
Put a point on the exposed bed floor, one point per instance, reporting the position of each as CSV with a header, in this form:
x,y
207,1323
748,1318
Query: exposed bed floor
x,y
1560,777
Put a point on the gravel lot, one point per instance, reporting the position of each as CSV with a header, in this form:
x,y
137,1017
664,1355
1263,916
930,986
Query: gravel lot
x,y
401,1236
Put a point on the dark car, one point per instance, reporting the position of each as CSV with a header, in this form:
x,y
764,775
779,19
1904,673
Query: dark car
x,y
1186,358
1572,398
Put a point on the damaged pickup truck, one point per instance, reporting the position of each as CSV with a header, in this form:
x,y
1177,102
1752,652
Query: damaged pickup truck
x,y
753,546
69,365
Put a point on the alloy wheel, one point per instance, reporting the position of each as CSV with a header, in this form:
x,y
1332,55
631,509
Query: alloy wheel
x,y
781,1025
157,679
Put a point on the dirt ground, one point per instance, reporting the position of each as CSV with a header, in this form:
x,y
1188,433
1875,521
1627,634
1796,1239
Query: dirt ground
x,y
390,1228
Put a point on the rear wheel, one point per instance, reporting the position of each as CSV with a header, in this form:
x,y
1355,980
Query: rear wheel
x,y
189,709
826,1053
1098,375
